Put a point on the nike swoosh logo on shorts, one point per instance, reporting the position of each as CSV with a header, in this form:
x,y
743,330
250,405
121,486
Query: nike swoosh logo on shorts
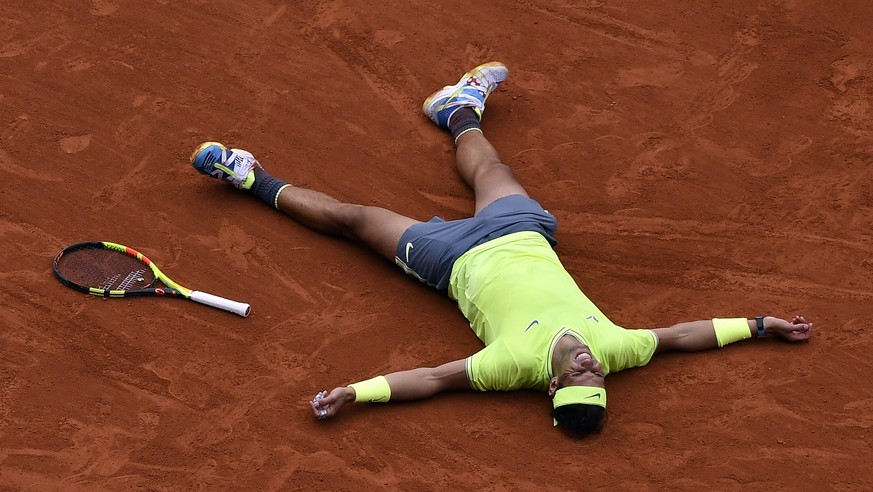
x,y
408,248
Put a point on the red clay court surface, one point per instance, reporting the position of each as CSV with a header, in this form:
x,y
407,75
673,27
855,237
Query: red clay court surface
x,y
703,159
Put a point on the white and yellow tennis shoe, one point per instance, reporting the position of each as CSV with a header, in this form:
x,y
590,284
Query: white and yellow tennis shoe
x,y
470,92
233,165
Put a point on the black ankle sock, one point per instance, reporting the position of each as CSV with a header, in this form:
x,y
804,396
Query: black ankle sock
x,y
463,120
266,187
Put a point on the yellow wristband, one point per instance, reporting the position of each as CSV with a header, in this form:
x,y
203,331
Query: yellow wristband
x,y
374,390
730,330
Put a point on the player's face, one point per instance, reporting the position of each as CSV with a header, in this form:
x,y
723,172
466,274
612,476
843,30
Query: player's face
x,y
582,369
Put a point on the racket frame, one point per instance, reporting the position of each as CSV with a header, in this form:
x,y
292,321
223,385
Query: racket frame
x,y
173,288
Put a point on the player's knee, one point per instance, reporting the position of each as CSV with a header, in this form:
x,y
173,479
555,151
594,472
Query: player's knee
x,y
494,173
357,221
495,166
579,419
349,218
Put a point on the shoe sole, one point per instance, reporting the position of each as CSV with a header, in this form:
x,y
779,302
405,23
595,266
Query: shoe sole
x,y
203,146
467,75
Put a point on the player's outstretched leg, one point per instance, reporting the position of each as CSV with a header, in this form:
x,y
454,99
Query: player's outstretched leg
x,y
458,109
378,228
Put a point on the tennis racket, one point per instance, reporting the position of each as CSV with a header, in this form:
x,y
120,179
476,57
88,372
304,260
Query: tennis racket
x,y
114,270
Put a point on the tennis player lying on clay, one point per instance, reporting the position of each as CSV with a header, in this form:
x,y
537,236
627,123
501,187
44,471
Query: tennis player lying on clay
x,y
540,331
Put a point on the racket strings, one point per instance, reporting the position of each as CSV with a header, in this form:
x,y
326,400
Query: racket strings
x,y
105,269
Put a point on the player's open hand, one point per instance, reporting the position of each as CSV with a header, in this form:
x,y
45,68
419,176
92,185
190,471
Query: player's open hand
x,y
326,405
795,330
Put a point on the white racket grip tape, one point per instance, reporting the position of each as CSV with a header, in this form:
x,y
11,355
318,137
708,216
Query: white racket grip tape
x,y
235,307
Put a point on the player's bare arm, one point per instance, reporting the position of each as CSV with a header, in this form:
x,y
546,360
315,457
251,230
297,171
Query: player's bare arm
x,y
693,336
413,384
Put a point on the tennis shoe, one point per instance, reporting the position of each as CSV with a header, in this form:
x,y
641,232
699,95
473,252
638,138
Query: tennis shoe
x,y
470,92
233,165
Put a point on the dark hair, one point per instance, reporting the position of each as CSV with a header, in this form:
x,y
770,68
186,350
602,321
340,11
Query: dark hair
x,y
579,419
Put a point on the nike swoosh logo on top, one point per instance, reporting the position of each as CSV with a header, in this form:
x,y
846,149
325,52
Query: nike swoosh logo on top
x,y
408,248
532,324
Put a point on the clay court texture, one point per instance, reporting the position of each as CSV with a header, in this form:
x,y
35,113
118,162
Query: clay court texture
x,y
703,159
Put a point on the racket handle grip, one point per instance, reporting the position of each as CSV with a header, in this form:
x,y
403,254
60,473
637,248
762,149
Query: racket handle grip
x,y
235,307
